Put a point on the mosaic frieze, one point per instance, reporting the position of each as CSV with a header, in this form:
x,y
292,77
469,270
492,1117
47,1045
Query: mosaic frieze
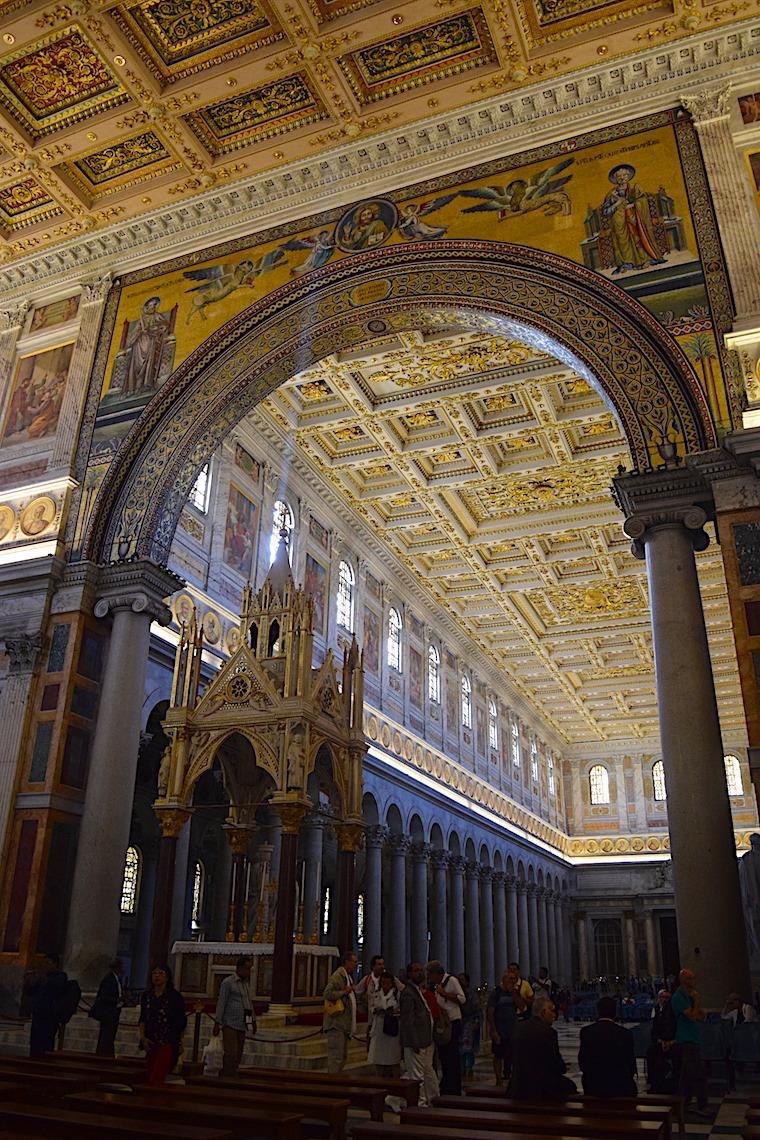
x,y
435,51
60,81
258,114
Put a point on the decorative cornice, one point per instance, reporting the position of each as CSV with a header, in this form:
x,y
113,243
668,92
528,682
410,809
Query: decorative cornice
x,y
656,79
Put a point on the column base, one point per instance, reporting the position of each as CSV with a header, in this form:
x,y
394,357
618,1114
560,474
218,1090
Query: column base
x,y
276,1017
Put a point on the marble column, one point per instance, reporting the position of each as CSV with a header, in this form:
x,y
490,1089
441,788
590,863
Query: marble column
x,y
487,967
543,926
23,654
666,529
513,934
523,927
133,593
456,914
629,930
171,821
558,968
291,814
313,836
533,945
653,958
396,936
178,930
419,915
584,973
349,840
499,925
439,942
374,838
472,924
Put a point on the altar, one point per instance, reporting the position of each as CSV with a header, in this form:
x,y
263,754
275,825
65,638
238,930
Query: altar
x,y
200,967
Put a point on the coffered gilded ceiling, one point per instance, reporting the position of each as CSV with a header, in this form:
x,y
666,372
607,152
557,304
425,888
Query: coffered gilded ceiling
x,y
486,466
111,110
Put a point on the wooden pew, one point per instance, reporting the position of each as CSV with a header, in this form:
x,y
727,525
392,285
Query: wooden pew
x,y
368,1099
46,1086
403,1087
373,1130
320,1113
65,1124
585,1126
672,1101
599,1107
97,1073
240,1122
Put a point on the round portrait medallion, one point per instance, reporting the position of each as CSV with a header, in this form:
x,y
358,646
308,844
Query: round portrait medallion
x,y
7,519
212,628
38,516
366,226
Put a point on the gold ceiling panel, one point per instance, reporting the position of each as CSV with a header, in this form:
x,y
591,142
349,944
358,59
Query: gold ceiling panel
x,y
531,561
257,114
24,203
548,20
121,165
176,38
56,83
432,52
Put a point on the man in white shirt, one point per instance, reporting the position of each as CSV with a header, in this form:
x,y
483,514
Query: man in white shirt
x,y
234,1015
450,997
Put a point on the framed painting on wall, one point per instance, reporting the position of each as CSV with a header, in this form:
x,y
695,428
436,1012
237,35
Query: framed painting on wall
x,y
239,532
37,395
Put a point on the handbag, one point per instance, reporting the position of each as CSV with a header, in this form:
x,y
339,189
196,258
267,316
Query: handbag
x,y
390,1024
333,1008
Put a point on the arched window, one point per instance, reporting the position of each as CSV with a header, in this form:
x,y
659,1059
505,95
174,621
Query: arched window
x,y
599,784
326,912
733,776
360,919
466,702
199,882
282,519
199,495
434,674
131,883
515,743
493,726
345,596
658,780
550,773
394,639
534,758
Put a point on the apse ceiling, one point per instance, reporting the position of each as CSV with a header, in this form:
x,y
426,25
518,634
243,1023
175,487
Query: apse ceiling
x,y
109,110
486,467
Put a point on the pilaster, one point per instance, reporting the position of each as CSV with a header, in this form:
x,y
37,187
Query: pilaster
x,y
92,303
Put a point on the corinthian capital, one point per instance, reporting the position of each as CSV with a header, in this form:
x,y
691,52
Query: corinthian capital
x,y
708,105
23,652
12,314
96,289
375,835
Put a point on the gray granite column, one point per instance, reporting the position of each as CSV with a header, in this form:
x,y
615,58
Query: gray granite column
x,y
523,955
558,968
583,962
23,653
499,924
439,942
395,938
486,926
630,943
419,915
313,836
132,592
513,935
653,958
543,927
533,944
178,930
456,914
374,838
472,924
666,529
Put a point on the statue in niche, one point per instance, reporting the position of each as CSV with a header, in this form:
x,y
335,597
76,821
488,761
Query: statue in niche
x,y
163,772
296,761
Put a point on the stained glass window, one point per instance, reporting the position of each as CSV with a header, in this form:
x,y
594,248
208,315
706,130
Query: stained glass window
x,y
599,784
131,882
658,780
434,674
733,776
345,598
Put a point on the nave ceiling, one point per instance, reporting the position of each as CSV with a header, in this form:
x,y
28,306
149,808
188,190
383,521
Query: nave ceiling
x,y
111,110
486,467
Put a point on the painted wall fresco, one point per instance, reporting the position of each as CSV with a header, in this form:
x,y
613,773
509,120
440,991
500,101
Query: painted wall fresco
x,y
239,532
37,395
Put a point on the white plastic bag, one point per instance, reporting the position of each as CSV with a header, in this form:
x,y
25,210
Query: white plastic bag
x,y
213,1056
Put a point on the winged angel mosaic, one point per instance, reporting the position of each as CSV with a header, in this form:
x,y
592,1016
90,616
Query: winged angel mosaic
x,y
543,191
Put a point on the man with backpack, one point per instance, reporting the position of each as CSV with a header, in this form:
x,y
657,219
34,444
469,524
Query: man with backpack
x,y
450,996
55,1000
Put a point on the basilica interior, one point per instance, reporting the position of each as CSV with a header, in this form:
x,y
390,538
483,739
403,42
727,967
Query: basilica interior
x,y
379,488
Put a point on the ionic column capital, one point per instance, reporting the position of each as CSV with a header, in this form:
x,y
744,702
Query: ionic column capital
x,y
693,519
139,586
708,105
670,496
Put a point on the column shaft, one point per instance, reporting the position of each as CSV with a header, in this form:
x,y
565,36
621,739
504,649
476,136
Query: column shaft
x,y
486,927
558,968
472,925
513,935
419,916
456,914
534,954
705,875
313,834
284,919
653,958
583,962
439,944
373,898
94,917
349,841
630,945
171,825
543,928
500,925
399,845
523,956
